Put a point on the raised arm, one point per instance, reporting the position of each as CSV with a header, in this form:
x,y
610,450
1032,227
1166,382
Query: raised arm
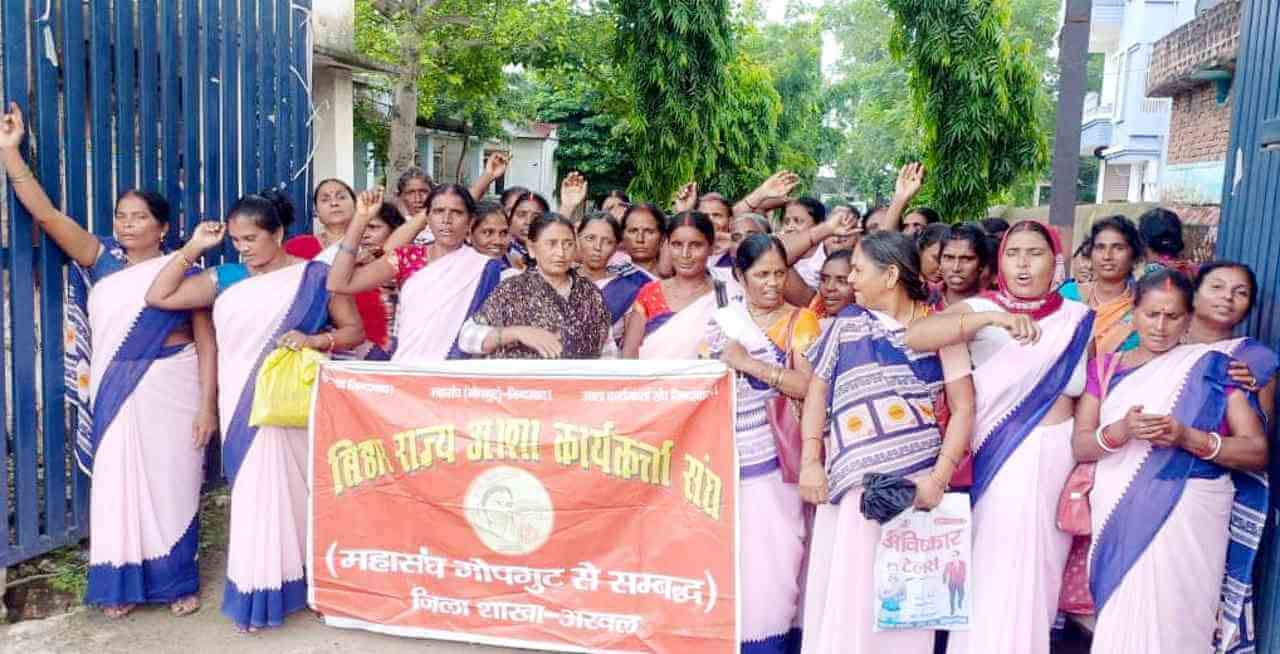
x,y
75,241
573,193
771,194
173,289
494,167
347,278
910,179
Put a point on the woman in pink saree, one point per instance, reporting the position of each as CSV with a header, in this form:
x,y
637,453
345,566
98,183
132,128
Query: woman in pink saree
x,y
670,316
1180,490
270,299
1027,346
141,382
441,284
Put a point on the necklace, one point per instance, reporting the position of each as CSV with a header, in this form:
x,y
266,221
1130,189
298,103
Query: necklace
x,y
1094,300
765,318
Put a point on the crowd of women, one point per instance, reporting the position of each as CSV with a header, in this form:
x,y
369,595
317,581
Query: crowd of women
x,y
960,357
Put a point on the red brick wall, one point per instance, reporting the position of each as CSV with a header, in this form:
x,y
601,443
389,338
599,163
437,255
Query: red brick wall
x,y
1199,129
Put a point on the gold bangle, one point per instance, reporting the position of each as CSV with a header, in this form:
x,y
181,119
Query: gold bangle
x,y
21,178
182,258
333,342
961,314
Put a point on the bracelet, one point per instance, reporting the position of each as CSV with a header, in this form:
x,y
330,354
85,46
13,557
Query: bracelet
x,y
1217,446
778,371
1104,442
961,330
333,342
343,247
22,178
182,258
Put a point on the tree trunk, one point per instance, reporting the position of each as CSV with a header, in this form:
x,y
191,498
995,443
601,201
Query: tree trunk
x,y
403,138
462,156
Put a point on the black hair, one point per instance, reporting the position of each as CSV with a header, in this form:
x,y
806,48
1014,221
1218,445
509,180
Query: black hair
x,y
618,193
931,217
530,195
994,226
604,217
817,210
712,196
1121,225
1161,230
659,216
157,206
755,246
390,214
695,219
269,210
862,221
315,195
453,189
545,220
932,234
1030,226
978,239
1159,279
486,208
410,175
511,192
1230,265
845,255
897,249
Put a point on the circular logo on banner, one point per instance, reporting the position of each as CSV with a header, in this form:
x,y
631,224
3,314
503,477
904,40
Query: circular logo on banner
x,y
510,510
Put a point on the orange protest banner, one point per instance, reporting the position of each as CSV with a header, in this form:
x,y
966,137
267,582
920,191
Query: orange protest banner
x,y
558,505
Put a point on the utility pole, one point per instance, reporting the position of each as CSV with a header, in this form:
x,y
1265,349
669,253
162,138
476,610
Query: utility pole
x,y
1073,57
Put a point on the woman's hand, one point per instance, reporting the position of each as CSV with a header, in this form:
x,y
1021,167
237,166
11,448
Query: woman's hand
x,y
910,179
779,185
496,166
573,190
368,203
208,234
1240,374
206,425
813,482
735,356
928,493
1162,431
545,343
12,127
1021,327
687,197
294,340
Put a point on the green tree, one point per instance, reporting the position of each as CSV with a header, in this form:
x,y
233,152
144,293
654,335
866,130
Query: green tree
x,y
792,52
698,108
451,55
673,56
975,94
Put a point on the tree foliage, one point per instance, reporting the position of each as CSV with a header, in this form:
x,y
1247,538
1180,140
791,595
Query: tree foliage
x,y
792,53
975,93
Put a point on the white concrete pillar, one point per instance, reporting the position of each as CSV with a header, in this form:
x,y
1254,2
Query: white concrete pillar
x,y
429,156
334,125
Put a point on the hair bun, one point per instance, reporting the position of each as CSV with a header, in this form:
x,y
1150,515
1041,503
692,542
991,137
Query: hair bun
x,y
282,204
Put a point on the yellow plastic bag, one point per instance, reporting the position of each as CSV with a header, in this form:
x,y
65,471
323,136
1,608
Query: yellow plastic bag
x,y
282,397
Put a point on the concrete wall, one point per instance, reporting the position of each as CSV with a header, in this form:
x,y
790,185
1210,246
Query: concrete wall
x,y
333,129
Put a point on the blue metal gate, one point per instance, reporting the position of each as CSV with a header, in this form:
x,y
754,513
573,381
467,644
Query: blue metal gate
x,y
200,100
1250,232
